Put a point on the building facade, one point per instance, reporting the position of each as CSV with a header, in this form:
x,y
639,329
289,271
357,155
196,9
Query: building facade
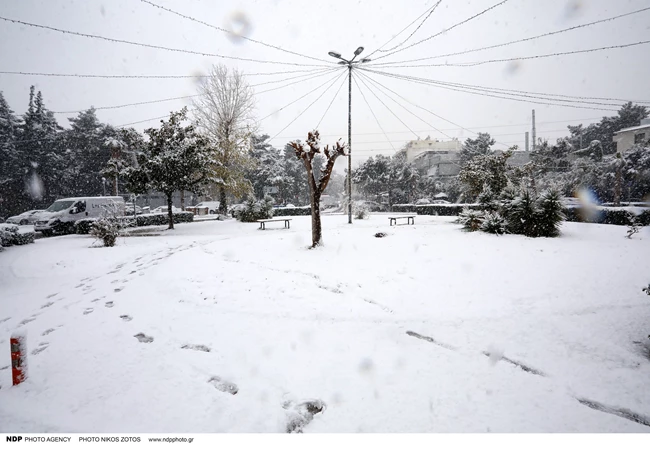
x,y
628,137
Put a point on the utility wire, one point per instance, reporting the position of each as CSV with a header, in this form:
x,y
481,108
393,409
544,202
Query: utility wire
x,y
298,99
529,57
494,46
444,31
482,93
151,46
126,105
413,32
376,84
519,93
142,76
373,114
386,106
307,108
331,102
230,32
321,73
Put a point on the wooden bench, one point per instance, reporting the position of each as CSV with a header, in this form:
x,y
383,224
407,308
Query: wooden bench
x,y
270,220
410,219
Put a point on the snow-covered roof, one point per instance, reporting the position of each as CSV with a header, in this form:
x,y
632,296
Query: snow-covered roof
x,y
633,128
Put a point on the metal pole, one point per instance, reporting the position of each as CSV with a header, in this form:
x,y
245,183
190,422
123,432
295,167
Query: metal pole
x,y
349,143
527,149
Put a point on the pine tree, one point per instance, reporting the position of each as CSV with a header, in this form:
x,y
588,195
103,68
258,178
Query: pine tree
x,y
550,214
522,215
11,175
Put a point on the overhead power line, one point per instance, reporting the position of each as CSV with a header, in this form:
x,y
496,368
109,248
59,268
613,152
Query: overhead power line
x,y
237,35
484,93
510,59
127,105
331,102
413,32
444,31
342,75
143,76
151,46
298,99
373,114
522,93
530,38
320,73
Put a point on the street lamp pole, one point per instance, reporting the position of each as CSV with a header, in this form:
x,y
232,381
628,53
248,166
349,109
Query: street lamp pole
x,y
350,64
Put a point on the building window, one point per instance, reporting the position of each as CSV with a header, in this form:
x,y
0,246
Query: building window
x,y
638,138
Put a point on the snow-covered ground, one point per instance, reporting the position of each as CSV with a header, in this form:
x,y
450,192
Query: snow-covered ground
x,y
390,333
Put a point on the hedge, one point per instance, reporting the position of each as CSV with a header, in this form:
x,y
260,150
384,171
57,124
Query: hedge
x,y
444,209
607,216
403,208
12,235
148,219
292,211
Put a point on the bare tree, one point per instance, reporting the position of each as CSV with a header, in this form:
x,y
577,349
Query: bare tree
x,y
224,112
306,154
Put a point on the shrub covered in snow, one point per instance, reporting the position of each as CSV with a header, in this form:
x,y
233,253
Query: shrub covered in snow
x,y
11,234
106,229
443,209
84,226
494,223
255,210
360,211
292,211
471,219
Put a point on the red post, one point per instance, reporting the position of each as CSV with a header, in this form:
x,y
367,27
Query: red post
x,y
18,359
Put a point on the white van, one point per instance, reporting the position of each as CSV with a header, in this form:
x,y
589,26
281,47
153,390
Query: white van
x,y
60,217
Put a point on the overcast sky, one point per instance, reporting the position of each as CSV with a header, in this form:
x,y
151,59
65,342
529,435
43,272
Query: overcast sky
x,y
315,27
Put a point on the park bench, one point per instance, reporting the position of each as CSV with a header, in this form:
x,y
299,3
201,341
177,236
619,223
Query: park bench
x,y
270,220
410,219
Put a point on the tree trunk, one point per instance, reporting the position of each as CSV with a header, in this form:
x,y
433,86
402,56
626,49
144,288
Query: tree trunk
x,y
223,202
617,186
316,227
169,211
182,199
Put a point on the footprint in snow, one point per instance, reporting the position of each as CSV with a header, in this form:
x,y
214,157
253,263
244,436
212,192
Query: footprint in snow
x,y
95,300
52,295
196,347
118,289
88,311
300,414
47,332
48,304
126,317
109,304
142,338
26,321
41,347
224,386
4,320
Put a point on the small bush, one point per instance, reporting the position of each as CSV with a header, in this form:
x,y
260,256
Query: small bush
x,y
444,209
494,224
486,200
8,234
522,215
549,214
107,230
360,211
83,226
292,211
255,210
471,219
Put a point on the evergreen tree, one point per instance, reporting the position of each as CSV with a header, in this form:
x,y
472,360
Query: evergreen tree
x,y
11,167
482,145
550,214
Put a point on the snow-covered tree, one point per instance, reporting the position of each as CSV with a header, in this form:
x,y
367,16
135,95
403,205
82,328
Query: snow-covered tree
x,y
485,170
176,158
482,145
306,153
11,162
267,168
224,112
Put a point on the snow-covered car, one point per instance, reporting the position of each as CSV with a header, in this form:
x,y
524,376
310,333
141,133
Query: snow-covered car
x,y
61,216
164,209
128,210
422,201
28,217
440,201
212,206
290,206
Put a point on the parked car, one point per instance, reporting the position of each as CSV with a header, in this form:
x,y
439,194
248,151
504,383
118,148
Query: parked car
x,y
163,209
213,206
424,201
129,210
60,217
28,217
440,201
